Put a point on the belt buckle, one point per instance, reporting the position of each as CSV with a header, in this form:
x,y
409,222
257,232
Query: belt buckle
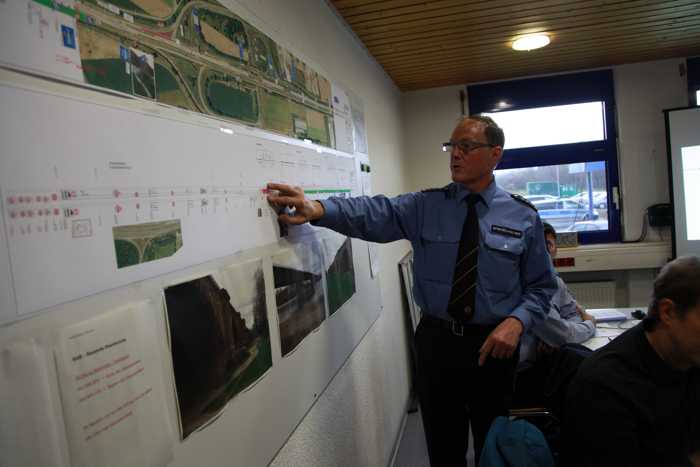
x,y
457,329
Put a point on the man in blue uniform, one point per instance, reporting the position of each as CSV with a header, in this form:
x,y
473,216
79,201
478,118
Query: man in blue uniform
x,y
482,277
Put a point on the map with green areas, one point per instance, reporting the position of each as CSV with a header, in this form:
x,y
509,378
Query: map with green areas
x,y
141,243
200,56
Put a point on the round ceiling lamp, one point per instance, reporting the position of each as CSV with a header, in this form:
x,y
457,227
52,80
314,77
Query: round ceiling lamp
x,y
531,42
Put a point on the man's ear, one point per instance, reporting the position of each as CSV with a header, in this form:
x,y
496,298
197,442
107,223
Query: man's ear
x,y
496,154
667,310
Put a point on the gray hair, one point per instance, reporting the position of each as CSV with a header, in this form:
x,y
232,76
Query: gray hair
x,y
493,132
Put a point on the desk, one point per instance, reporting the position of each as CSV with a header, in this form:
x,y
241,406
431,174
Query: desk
x,y
605,332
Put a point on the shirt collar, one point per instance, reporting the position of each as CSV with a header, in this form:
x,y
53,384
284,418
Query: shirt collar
x,y
487,195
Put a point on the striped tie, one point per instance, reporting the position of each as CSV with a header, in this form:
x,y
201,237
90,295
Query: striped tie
x,y
463,296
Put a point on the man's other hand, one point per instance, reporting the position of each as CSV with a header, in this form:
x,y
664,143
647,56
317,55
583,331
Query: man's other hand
x,y
282,196
584,315
502,341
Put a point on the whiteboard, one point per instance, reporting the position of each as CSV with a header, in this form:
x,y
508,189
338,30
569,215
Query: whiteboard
x,y
114,162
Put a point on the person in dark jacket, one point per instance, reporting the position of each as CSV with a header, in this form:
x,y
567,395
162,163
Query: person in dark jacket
x,y
636,401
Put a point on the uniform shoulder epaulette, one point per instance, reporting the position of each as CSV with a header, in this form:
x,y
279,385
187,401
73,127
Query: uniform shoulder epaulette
x,y
436,190
523,200
447,190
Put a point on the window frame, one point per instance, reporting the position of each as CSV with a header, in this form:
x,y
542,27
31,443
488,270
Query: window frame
x,y
692,65
552,91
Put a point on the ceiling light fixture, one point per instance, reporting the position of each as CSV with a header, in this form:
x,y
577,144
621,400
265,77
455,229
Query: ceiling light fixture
x,y
531,42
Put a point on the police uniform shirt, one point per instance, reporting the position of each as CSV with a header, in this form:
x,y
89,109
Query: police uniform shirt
x,y
515,276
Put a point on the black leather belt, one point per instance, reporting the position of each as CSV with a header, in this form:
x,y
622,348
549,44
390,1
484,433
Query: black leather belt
x,y
456,328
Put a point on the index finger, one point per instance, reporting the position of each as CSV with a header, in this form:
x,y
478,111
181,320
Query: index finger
x,y
485,350
282,188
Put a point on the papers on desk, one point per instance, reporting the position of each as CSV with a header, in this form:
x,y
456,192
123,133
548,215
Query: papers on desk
x,y
603,315
607,332
596,342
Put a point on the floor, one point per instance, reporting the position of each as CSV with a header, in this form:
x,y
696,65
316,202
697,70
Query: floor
x,y
412,449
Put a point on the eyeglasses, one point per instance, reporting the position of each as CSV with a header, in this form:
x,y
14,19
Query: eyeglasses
x,y
465,146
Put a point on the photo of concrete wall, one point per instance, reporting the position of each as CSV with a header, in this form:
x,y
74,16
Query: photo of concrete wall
x,y
220,341
299,293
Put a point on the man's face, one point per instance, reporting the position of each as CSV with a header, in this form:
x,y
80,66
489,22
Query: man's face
x,y
477,164
551,242
685,332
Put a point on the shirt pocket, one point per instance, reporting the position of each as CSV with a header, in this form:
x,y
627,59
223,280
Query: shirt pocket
x,y
499,262
438,251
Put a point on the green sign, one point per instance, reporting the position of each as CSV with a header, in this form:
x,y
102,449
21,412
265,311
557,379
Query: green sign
x,y
542,188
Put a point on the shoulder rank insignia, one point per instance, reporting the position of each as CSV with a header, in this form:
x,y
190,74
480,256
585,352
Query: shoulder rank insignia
x,y
523,200
447,190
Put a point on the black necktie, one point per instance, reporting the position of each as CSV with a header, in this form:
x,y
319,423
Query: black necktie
x,y
463,295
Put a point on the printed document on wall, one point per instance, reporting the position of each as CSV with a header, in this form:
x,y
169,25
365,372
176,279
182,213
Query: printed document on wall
x,y
342,117
40,37
112,391
29,430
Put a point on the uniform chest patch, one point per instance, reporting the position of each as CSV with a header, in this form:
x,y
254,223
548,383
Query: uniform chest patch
x,y
499,229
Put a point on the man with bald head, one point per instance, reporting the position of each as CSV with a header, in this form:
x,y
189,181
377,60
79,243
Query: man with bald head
x,y
636,401
482,278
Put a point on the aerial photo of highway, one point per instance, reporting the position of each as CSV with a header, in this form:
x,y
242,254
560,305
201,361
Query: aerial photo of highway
x,y
198,55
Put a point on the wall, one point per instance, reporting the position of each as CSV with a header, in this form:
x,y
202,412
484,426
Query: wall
x,y
642,91
357,419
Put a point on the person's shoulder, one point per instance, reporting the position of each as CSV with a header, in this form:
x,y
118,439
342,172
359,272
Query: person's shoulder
x,y
446,192
614,363
522,201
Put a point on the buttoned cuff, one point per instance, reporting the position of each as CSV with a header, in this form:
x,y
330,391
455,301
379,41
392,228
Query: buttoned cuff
x,y
524,317
330,212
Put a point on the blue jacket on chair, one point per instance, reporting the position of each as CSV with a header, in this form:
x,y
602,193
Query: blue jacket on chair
x,y
515,443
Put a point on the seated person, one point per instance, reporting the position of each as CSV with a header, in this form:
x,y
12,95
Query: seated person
x,y
636,401
565,323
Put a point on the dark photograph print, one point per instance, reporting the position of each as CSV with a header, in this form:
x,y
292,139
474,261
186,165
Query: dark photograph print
x,y
298,293
340,273
220,343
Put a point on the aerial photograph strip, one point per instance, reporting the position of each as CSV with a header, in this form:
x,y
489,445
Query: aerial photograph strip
x,y
198,55
140,243
220,341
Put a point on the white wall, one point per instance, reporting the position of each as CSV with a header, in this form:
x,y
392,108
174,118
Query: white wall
x,y
642,92
356,420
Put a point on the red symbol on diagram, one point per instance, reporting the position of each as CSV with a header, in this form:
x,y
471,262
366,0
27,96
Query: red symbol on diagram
x,y
56,211
54,197
38,198
117,193
11,200
118,209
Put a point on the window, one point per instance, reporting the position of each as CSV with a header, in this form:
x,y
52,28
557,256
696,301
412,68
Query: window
x,y
561,124
560,149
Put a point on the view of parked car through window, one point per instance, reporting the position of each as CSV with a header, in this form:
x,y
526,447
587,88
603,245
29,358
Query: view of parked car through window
x,y
571,197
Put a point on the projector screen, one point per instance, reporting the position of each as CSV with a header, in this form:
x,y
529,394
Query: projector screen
x,y
683,140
